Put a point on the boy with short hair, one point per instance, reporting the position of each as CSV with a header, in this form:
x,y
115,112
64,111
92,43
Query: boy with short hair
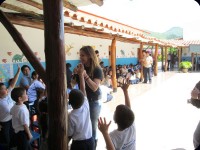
x,y
6,103
80,127
20,118
124,136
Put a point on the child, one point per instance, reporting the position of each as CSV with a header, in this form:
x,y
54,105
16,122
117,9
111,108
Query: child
x,y
80,127
34,89
6,103
124,136
20,118
106,92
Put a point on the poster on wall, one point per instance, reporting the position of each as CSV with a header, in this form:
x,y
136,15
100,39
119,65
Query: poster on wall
x,y
6,72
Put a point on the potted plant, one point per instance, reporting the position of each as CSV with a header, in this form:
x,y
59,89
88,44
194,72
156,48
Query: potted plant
x,y
185,65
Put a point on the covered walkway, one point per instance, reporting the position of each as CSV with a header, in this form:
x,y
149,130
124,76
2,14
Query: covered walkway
x,y
164,119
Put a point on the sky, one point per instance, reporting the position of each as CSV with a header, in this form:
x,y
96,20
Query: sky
x,y
153,15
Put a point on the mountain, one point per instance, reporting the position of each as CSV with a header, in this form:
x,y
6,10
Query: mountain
x,y
173,33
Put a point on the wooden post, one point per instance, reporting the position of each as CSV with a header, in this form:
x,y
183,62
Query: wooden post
x,y
21,43
113,64
192,57
140,60
56,74
166,57
109,53
156,60
181,53
162,54
179,57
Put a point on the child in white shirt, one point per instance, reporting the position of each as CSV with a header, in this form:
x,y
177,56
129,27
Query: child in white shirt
x,y
80,127
6,103
20,118
123,137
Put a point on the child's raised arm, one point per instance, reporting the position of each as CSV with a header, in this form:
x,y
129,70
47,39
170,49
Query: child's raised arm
x,y
103,127
13,82
124,87
81,72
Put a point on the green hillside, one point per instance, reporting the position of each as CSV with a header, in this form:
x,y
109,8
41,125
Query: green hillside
x,y
173,33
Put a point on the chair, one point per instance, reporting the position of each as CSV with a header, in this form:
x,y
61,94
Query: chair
x,y
35,126
36,138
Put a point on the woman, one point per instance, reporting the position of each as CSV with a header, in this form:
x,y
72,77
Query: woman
x,y
93,78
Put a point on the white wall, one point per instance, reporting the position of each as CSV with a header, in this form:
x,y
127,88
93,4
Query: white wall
x,y
8,48
10,54
35,39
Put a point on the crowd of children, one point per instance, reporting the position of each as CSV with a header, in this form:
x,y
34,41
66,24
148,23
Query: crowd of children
x,y
16,110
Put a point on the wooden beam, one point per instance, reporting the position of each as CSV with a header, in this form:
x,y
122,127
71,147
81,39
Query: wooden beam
x,y
92,29
21,43
56,74
69,28
32,3
18,20
87,33
70,6
156,60
113,64
18,9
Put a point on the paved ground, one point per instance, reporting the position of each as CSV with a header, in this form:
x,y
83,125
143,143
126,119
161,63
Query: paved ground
x,y
164,119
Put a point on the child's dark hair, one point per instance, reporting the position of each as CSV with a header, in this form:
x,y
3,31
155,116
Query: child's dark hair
x,y
76,98
34,73
124,116
194,102
68,65
1,84
16,93
25,66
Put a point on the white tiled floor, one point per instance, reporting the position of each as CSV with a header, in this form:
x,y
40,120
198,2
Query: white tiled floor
x,y
164,119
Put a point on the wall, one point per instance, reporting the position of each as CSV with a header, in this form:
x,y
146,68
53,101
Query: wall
x,y
186,54
11,55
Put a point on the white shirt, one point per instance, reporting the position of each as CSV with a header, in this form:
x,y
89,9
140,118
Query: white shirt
x,y
20,117
104,90
168,57
124,140
148,61
6,104
32,90
79,125
133,77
